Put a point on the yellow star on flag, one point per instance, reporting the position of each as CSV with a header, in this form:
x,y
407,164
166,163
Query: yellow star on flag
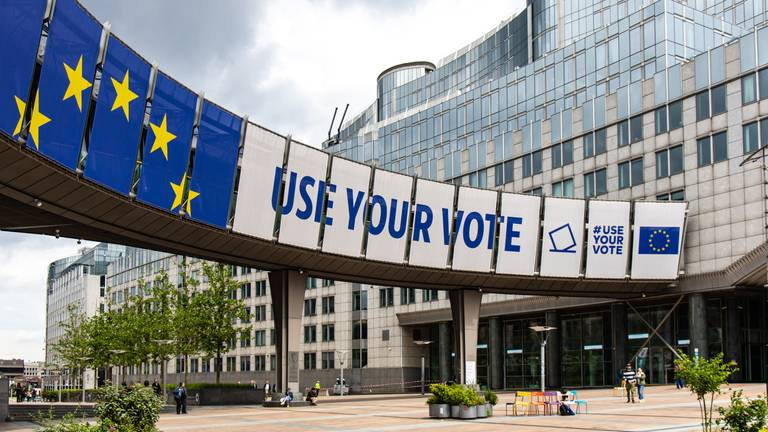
x,y
162,136
77,84
21,106
124,95
178,190
38,119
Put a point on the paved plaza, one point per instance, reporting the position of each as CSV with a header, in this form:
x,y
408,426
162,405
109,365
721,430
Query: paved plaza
x,y
665,409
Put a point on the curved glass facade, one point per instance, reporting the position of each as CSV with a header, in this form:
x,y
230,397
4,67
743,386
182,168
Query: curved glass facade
x,y
392,89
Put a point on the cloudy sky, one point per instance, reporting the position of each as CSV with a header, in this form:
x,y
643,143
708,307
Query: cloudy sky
x,y
286,64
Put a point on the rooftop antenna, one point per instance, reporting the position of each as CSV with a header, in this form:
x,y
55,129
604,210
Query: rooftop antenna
x,y
330,128
341,122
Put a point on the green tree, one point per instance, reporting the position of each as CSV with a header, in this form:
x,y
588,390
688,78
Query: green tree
x,y
73,349
186,334
217,311
704,377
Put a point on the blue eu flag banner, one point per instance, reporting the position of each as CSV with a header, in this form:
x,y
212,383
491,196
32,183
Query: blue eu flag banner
x,y
210,188
117,123
66,82
21,22
659,240
167,144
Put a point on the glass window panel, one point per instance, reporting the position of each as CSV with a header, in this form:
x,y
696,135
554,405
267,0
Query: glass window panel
x,y
750,137
674,82
589,185
554,123
601,181
622,130
763,132
557,156
762,46
587,108
637,171
748,89
718,100
527,165
676,160
704,151
717,68
568,188
623,102
589,145
701,65
498,175
557,189
702,105
747,46
624,179
720,147
676,115
568,152
537,161
636,97
660,87
662,164
600,145
660,120
636,128
762,79
508,173
677,195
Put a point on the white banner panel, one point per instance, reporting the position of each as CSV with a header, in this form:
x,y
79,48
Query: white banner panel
x,y
475,229
390,205
259,183
303,196
607,239
563,237
347,205
518,234
431,237
657,240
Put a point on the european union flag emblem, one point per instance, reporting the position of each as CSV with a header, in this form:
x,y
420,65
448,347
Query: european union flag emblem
x,y
66,82
21,23
659,241
210,188
117,123
167,145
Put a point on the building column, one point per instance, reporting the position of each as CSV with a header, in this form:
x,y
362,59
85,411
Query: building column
x,y
465,310
553,357
733,337
697,324
618,338
444,349
496,353
4,397
287,290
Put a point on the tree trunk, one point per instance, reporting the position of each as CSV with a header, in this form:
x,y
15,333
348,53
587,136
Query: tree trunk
x,y
218,365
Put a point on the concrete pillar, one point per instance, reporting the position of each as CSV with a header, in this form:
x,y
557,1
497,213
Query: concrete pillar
x,y
444,345
287,290
465,310
733,337
553,356
697,324
4,395
618,339
495,353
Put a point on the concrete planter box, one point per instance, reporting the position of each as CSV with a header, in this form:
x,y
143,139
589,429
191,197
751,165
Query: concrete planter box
x,y
439,411
482,411
455,411
222,396
468,412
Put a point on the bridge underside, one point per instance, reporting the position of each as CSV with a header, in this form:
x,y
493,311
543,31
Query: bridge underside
x,y
37,196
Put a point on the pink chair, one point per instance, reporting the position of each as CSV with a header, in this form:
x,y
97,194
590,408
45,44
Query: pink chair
x,y
551,402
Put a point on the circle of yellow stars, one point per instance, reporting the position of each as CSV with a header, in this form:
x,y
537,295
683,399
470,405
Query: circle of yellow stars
x,y
664,238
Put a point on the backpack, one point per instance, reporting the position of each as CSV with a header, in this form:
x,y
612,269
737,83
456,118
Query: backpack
x,y
177,393
565,410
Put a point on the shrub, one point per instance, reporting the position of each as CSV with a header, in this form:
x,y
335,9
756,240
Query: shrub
x,y
137,409
744,415
439,394
491,397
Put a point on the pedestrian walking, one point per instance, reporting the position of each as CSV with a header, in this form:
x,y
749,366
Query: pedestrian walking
x,y
180,396
640,375
630,380
156,387
679,383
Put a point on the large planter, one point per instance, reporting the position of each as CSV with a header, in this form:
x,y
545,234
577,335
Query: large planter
x,y
468,412
439,411
455,411
482,411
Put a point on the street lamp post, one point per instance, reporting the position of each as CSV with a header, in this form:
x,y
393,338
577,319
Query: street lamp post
x,y
423,344
541,333
82,375
342,356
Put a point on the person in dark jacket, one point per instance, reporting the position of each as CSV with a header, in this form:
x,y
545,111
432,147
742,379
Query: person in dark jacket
x,y
180,396
156,388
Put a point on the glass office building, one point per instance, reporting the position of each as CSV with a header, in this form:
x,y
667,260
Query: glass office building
x,y
628,100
